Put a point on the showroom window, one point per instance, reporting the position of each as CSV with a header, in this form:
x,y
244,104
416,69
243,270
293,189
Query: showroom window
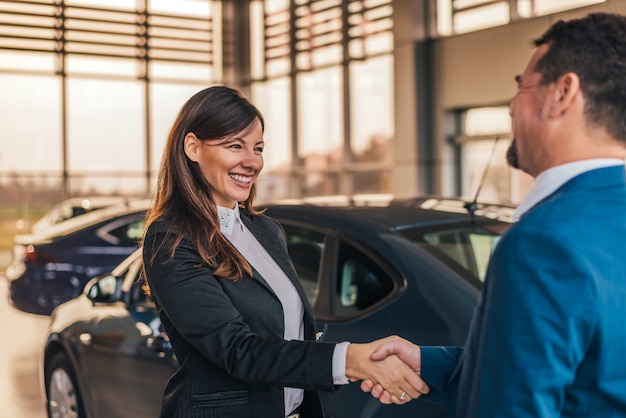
x,y
98,83
484,139
320,67
461,16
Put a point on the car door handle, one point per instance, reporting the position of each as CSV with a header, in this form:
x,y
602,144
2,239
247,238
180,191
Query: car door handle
x,y
85,339
160,344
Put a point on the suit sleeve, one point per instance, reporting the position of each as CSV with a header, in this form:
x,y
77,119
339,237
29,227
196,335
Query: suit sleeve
x,y
200,311
438,368
533,327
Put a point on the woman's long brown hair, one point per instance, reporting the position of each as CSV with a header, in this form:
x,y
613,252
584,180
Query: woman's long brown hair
x,y
183,196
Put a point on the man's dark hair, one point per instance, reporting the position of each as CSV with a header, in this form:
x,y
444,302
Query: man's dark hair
x,y
593,47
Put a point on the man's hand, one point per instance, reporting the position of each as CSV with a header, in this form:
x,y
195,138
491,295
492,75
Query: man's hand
x,y
383,372
394,346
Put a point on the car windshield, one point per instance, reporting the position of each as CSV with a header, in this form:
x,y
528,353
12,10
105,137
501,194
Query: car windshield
x,y
465,248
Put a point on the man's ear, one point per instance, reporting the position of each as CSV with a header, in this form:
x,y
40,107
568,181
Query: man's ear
x,y
192,147
566,92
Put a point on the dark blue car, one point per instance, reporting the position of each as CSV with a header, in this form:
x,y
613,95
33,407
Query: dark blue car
x,y
52,266
411,267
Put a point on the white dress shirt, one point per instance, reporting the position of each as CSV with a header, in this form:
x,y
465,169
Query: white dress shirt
x,y
548,181
293,311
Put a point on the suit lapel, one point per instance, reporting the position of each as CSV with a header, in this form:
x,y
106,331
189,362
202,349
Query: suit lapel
x,y
272,245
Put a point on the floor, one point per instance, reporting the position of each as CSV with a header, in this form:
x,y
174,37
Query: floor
x,y
21,338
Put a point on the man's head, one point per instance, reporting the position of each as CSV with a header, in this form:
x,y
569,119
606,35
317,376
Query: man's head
x,y
577,62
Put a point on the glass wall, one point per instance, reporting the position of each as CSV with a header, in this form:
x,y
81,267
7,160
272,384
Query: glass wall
x,y
461,16
325,76
90,89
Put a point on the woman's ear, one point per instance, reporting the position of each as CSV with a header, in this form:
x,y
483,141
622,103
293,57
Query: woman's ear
x,y
192,147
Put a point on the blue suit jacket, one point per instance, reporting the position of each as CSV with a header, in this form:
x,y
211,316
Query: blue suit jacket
x,y
548,338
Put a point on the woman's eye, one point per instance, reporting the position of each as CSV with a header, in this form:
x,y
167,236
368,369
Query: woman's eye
x,y
235,146
258,149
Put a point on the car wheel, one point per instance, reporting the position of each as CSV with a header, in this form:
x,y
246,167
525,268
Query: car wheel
x,y
63,396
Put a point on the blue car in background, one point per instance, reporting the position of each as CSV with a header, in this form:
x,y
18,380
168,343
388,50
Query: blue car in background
x,y
53,265
410,267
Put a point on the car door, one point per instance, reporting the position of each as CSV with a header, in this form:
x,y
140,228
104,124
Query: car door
x,y
128,356
353,291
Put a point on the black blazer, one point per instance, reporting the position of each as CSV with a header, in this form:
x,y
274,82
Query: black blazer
x,y
228,337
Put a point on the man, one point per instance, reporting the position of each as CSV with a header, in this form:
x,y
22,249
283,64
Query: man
x,y
548,338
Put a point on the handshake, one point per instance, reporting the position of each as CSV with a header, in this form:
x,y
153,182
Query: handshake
x,y
389,368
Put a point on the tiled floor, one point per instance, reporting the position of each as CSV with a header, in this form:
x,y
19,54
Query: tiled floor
x,y
21,339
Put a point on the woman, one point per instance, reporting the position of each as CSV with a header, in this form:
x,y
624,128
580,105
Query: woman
x,y
225,288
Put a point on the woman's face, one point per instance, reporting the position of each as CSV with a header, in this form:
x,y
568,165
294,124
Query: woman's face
x,y
230,165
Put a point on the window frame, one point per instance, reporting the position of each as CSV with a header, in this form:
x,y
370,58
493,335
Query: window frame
x,y
324,307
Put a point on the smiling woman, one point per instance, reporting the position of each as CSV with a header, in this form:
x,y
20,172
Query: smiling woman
x,y
230,165
226,291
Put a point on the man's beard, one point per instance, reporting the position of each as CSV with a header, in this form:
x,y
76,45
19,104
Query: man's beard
x,y
512,158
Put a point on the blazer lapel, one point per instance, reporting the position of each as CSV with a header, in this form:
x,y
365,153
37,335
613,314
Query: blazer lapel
x,y
273,246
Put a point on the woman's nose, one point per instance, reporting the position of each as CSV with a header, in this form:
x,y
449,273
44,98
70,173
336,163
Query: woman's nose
x,y
253,159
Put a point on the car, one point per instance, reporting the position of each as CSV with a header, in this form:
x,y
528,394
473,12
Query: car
x,y
52,266
411,267
106,354
76,206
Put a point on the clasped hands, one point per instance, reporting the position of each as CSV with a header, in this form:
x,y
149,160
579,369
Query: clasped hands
x,y
388,368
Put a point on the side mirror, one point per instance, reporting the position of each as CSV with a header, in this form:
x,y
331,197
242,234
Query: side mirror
x,y
104,289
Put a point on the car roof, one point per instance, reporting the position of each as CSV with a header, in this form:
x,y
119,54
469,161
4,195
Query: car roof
x,y
86,220
400,213
89,201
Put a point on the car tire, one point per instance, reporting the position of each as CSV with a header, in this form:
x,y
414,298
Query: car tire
x,y
63,396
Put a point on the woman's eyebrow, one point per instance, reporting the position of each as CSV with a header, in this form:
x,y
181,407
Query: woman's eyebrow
x,y
232,139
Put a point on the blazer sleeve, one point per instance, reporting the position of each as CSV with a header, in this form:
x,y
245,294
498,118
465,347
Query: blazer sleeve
x,y
200,311
531,330
439,366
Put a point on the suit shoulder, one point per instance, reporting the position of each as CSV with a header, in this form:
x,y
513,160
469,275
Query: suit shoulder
x,y
161,226
582,207
264,221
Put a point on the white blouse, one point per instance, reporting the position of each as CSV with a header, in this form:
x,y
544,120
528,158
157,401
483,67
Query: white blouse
x,y
293,311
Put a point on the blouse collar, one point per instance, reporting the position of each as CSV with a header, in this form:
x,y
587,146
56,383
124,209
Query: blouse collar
x,y
228,217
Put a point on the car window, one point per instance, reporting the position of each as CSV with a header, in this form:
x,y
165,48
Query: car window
x,y
466,249
128,234
361,282
139,303
305,249
63,213
134,284
106,289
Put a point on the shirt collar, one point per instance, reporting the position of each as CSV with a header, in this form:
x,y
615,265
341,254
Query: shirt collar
x,y
550,180
228,218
